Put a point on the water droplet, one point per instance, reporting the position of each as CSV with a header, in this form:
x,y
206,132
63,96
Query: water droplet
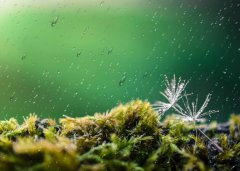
x,y
54,21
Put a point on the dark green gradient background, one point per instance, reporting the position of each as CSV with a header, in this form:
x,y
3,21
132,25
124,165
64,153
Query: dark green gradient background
x,y
100,54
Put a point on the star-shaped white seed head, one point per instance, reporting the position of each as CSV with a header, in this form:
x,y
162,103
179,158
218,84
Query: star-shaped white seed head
x,y
172,93
190,113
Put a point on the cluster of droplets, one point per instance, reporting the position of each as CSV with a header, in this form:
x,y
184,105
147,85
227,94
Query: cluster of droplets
x,y
187,112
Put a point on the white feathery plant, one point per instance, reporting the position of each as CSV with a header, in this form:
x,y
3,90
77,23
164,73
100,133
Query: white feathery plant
x,y
191,114
173,93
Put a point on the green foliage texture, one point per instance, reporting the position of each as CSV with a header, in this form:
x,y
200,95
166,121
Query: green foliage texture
x,y
129,137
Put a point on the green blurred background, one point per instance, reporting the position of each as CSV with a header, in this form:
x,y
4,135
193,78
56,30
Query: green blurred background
x,y
80,57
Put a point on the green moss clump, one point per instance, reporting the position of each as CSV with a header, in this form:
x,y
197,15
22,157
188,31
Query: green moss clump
x,y
129,137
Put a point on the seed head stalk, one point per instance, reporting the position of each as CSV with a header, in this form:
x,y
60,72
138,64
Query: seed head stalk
x,y
215,144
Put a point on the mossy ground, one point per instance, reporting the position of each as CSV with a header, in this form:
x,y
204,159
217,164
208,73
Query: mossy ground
x,y
129,137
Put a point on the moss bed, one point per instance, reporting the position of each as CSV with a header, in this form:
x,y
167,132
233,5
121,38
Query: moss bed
x,y
129,137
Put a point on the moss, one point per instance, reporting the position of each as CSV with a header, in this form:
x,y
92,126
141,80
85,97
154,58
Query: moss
x,y
8,125
129,137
